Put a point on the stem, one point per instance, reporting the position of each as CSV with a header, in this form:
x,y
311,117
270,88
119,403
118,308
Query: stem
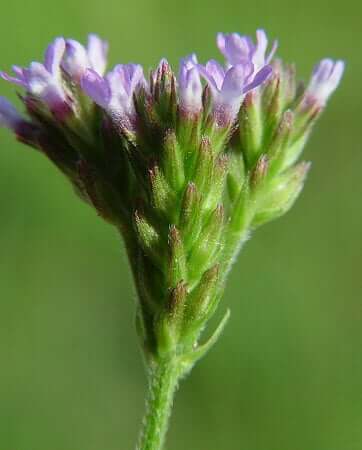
x,y
163,379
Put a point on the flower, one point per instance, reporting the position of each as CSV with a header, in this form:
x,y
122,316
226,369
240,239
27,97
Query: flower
x,y
326,77
229,86
190,86
241,49
114,92
77,58
44,81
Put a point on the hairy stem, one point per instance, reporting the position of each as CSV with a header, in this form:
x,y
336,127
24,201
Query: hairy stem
x,y
163,379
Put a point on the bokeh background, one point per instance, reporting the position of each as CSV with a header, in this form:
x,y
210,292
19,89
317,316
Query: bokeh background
x,y
287,374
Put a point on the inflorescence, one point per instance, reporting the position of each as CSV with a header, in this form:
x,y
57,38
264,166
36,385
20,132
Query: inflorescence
x,y
185,167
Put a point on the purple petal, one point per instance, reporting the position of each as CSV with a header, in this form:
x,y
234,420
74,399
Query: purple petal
x,y
259,78
260,48
18,81
337,72
208,77
97,53
233,84
323,70
188,62
38,78
325,80
118,82
221,42
53,55
238,49
9,116
75,59
272,52
96,87
136,76
191,92
216,71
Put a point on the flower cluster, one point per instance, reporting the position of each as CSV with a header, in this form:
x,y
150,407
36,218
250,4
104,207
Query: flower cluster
x,y
185,167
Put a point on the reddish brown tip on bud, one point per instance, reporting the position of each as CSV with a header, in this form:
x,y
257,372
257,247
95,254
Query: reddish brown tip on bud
x,y
260,170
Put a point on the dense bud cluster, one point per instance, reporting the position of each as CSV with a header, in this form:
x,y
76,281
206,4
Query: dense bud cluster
x,y
185,167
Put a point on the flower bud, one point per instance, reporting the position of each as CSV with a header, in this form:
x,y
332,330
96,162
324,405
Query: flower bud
x,y
160,191
202,298
148,237
284,190
259,173
251,129
172,161
204,167
191,215
279,145
207,245
177,258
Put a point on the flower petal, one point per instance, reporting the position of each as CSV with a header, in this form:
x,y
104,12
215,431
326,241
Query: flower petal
x,y
259,78
97,53
9,116
96,87
53,56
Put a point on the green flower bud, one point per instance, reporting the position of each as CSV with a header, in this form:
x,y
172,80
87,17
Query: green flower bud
x,y
161,192
207,246
191,215
251,126
148,237
283,191
177,258
204,167
173,161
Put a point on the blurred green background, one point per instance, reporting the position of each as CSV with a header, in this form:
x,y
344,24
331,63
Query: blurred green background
x,y
287,374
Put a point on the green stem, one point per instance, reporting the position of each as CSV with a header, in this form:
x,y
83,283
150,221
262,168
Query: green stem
x,y
163,379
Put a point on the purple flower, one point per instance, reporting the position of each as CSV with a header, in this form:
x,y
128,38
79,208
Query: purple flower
x,y
9,116
77,58
44,81
114,92
229,86
190,87
325,78
241,49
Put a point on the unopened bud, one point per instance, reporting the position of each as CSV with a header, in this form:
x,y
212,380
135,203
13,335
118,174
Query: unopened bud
x,y
260,171
284,190
279,144
208,244
147,236
177,258
204,167
161,191
191,215
173,162
251,128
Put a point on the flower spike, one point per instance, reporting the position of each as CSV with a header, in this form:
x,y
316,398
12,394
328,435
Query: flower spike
x,y
184,167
